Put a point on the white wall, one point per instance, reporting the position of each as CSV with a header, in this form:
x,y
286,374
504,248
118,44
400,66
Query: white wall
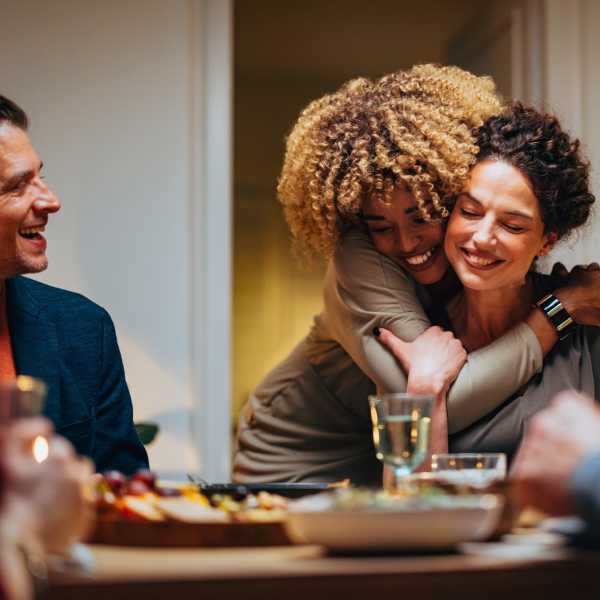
x,y
116,92
572,91
546,52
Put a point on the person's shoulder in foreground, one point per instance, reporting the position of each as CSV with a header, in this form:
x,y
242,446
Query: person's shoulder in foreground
x,y
70,343
557,469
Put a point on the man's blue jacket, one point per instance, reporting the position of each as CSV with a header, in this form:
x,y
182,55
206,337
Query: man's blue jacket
x,y
70,343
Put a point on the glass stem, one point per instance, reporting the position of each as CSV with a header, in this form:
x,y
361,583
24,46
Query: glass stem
x,y
401,472
393,477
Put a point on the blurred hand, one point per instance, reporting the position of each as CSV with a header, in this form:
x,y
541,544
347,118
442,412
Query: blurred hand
x,y
45,503
432,361
554,444
579,291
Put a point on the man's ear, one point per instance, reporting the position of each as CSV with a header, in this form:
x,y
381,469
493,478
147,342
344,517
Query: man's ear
x,y
549,241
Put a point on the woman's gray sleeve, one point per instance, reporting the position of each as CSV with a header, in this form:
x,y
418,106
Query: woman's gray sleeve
x,y
364,289
492,374
359,297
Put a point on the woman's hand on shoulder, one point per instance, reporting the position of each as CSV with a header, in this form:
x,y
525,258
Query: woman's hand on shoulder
x,y
432,361
579,292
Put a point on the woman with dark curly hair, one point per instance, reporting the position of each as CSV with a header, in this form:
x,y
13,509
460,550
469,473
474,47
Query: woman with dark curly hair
x,y
368,176
529,189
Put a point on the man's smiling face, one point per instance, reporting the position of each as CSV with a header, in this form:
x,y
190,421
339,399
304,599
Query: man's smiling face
x,y
25,203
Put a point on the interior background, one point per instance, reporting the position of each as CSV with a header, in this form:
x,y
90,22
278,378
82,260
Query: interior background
x,y
133,103
287,54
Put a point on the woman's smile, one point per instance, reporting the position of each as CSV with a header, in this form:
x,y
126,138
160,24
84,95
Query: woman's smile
x,y
495,229
480,260
399,231
420,262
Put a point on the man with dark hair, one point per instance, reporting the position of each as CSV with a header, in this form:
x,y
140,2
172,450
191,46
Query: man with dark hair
x,y
61,337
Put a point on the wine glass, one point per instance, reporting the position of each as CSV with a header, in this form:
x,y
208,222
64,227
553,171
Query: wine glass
x,y
473,469
401,424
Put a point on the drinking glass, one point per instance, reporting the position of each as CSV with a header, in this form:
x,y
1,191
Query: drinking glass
x,y
401,424
21,398
477,470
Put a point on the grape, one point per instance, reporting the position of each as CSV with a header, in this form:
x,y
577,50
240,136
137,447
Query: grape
x,y
116,481
137,487
240,493
146,476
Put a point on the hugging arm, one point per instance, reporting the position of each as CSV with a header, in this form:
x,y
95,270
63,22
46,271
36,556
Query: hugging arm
x,y
365,289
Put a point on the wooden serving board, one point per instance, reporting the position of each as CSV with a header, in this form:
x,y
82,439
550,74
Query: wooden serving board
x,y
176,534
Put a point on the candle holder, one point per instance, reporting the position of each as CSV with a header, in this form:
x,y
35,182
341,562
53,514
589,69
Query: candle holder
x,y
22,398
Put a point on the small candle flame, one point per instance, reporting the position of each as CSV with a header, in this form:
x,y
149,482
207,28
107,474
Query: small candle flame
x,y
40,449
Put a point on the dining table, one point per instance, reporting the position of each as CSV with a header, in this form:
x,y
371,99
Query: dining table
x,y
525,567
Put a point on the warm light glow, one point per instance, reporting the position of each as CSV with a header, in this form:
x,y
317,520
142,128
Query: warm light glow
x,y
40,449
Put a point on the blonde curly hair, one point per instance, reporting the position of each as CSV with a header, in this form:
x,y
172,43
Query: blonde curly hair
x,y
411,128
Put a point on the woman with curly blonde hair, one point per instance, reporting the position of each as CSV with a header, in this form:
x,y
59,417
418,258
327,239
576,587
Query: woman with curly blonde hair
x,y
411,128
369,175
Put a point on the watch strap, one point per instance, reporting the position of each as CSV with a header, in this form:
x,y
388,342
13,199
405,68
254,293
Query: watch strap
x,y
557,314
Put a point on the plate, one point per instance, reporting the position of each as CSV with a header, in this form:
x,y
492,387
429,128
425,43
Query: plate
x,y
416,527
174,534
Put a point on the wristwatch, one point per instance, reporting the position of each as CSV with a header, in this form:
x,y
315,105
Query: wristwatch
x,y
557,314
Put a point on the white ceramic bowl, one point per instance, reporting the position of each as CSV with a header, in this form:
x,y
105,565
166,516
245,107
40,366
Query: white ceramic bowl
x,y
465,519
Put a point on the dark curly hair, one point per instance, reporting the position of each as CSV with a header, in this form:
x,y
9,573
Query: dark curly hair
x,y
536,144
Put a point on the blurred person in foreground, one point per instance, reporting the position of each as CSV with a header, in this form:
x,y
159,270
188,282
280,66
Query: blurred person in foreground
x,y
42,506
46,332
557,469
